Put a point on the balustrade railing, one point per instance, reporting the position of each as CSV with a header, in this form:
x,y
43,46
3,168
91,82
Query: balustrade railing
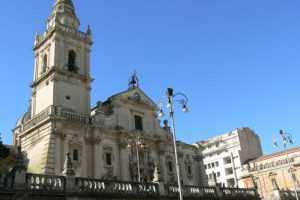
x,y
49,184
193,191
6,180
82,119
45,182
37,119
116,187
237,192
53,110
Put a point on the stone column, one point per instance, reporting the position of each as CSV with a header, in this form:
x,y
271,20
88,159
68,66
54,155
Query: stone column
x,y
59,153
89,143
124,162
197,170
162,162
182,167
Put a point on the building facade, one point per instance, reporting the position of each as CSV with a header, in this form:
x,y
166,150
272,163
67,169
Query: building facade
x,y
108,141
224,155
272,175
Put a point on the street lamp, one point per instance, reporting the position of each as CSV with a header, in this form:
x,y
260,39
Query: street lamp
x,y
139,142
287,138
182,99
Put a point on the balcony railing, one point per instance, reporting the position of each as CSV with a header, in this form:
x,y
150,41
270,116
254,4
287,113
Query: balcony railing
x,y
56,111
214,149
38,118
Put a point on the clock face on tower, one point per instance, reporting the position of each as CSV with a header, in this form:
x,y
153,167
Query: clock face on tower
x,y
136,96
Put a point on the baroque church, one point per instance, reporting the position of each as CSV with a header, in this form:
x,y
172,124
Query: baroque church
x,y
120,139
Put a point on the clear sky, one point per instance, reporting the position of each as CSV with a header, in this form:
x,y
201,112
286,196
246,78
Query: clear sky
x,y
237,61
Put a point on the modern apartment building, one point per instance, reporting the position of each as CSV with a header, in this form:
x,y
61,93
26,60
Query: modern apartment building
x,y
224,155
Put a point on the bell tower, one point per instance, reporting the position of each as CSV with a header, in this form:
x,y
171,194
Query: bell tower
x,y
62,63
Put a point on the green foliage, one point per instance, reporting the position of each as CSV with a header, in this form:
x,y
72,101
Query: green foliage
x,y
7,163
4,151
7,157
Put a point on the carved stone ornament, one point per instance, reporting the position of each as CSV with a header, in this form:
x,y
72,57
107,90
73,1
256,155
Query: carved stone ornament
x,y
58,132
92,138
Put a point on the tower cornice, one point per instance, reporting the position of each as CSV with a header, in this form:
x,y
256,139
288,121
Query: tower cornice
x,y
62,72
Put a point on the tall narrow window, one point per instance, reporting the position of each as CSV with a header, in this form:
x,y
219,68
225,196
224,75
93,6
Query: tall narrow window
x,y
108,158
294,177
72,62
45,63
138,122
170,166
189,170
75,154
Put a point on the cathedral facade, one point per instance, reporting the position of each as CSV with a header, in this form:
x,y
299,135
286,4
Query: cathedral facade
x,y
121,138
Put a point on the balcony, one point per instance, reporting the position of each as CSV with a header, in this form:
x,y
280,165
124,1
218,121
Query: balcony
x,y
214,149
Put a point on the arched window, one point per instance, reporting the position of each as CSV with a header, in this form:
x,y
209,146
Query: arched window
x,y
45,63
72,62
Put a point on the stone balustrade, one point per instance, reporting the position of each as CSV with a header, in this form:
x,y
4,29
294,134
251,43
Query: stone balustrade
x,y
238,192
79,188
45,182
55,111
82,119
212,192
37,119
116,187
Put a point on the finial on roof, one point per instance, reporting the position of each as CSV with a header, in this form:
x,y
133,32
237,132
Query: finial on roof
x,y
89,31
133,81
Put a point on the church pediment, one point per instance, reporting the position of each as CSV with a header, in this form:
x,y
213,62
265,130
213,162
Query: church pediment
x,y
134,96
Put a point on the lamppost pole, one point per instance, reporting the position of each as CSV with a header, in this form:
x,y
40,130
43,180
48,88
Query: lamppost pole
x,y
284,137
137,141
175,147
183,102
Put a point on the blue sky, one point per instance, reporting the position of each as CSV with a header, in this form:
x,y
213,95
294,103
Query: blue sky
x,y
237,61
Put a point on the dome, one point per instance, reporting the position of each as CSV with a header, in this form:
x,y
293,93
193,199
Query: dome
x,y
23,119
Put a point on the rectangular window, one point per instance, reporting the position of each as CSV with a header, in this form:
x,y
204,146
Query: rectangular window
x,y
227,160
205,166
209,166
218,174
75,154
138,120
217,164
108,158
274,183
229,171
170,165
212,165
